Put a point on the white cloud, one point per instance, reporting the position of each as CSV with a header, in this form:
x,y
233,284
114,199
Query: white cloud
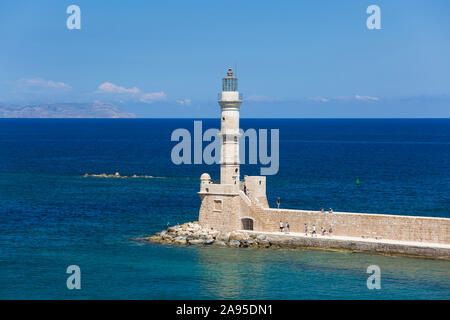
x,y
343,98
366,98
131,93
355,98
42,83
108,87
185,102
152,97
319,99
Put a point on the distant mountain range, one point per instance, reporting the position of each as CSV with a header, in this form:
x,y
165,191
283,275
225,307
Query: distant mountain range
x,y
64,110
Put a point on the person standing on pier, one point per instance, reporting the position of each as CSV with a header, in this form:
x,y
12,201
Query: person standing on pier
x,y
281,226
306,229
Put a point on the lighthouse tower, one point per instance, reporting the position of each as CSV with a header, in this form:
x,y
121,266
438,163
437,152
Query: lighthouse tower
x,y
231,204
229,101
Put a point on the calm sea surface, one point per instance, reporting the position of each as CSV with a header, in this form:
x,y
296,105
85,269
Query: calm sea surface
x,y
52,217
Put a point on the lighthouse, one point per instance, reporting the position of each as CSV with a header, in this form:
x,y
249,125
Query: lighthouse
x,y
230,204
230,101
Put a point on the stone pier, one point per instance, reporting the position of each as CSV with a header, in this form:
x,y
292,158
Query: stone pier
x,y
194,234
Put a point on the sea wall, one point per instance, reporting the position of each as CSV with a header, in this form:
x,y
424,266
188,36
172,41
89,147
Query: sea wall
x,y
232,211
195,234
363,225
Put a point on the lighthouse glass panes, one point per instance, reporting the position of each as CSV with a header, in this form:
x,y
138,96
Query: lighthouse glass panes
x,y
229,84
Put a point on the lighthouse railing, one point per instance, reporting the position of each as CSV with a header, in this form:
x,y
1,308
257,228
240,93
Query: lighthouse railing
x,y
219,96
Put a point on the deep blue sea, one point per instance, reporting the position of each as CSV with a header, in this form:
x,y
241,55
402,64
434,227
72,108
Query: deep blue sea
x,y
52,217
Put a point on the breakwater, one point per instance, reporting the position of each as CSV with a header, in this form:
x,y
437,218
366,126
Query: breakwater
x,y
194,234
358,225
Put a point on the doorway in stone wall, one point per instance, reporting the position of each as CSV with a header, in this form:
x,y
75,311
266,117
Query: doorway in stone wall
x,y
247,224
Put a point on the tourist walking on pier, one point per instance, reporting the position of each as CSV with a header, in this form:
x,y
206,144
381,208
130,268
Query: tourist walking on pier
x,y
323,230
281,226
330,231
287,226
313,230
306,229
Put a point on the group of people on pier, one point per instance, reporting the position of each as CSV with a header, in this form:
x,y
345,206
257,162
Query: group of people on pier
x,y
323,231
314,232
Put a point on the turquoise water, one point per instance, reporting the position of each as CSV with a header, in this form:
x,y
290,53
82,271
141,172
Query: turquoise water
x,y
51,217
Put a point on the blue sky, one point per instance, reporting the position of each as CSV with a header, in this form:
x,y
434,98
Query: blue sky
x,y
167,58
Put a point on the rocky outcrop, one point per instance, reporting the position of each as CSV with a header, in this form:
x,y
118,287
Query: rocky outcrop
x,y
192,233
116,175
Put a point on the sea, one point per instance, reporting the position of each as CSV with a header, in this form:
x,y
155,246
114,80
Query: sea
x,y
52,217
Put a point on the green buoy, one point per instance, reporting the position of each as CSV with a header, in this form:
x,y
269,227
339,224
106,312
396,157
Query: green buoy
x,y
357,181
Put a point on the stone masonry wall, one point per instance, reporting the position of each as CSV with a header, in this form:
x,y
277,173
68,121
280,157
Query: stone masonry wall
x,y
226,219
394,227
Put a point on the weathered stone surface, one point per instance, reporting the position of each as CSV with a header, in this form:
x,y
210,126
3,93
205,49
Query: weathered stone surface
x,y
186,225
238,236
214,233
155,238
173,229
224,236
234,243
264,243
166,236
197,235
196,241
260,237
180,240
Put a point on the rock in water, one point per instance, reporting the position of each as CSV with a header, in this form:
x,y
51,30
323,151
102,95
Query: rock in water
x,y
234,243
220,243
223,237
195,241
193,234
261,237
180,240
